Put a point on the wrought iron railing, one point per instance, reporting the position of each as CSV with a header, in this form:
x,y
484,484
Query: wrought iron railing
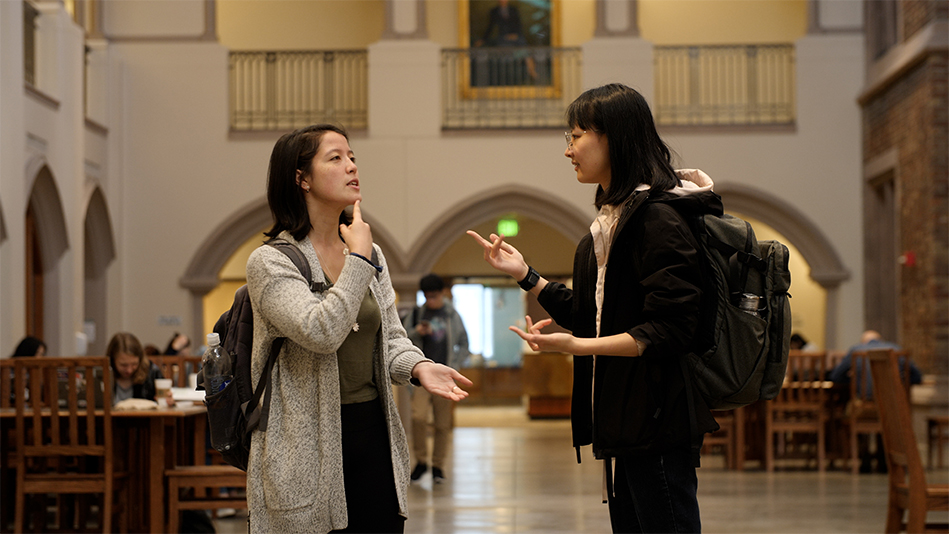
x,y
724,85
503,87
284,90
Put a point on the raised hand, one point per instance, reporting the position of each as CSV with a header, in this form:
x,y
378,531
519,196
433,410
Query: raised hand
x,y
358,236
501,255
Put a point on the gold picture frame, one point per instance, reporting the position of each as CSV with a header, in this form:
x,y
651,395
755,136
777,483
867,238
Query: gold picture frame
x,y
508,66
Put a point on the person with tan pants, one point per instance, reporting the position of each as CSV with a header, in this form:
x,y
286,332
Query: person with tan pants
x,y
437,329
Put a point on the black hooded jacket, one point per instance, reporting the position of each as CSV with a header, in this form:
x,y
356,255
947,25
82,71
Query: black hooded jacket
x,y
651,291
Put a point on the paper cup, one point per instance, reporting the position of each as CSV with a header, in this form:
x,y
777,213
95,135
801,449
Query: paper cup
x,y
162,387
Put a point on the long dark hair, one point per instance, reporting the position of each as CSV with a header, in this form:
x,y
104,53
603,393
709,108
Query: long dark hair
x,y
637,154
294,152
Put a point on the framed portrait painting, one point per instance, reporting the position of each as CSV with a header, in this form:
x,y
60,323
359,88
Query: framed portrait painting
x,y
510,47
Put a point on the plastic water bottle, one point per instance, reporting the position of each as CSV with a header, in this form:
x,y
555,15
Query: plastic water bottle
x,y
216,364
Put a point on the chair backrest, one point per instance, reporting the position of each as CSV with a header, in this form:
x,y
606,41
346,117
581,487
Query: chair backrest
x,y
56,407
903,457
170,366
6,382
804,379
177,367
860,368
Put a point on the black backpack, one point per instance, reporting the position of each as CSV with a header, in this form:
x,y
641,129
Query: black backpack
x,y
740,357
237,410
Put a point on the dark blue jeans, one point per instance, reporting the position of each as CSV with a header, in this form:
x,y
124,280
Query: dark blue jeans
x,y
654,494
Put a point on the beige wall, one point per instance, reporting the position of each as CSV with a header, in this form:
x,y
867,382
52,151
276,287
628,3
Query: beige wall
x,y
296,25
173,174
686,22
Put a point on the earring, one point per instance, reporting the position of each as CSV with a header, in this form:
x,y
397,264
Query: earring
x,y
306,189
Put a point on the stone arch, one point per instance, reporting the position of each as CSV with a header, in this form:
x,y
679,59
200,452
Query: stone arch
x,y
52,238
201,275
827,269
98,253
534,203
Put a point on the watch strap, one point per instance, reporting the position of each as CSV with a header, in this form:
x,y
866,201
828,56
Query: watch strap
x,y
530,280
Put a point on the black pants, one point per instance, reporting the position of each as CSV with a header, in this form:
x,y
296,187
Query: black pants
x,y
655,494
371,502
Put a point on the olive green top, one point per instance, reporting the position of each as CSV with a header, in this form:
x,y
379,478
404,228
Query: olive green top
x,y
355,355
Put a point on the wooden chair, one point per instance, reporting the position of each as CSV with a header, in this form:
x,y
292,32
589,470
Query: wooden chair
x,y
177,367
724,438
799,407
185,481
861,415
7,443
64,441
909,489
936,438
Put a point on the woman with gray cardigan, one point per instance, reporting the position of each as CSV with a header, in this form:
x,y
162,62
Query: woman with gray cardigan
x,y
334,455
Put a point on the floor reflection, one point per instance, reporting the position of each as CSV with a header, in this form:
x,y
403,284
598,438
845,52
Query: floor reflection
x,y
512,475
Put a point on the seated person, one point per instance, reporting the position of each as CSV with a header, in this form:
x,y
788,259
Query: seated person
x,y
870,340
30,346
178,345
798,342
134,374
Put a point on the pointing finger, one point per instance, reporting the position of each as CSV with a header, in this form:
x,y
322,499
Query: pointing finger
x,y
357,215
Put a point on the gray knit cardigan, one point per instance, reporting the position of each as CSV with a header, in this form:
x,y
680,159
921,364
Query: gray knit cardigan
x,y
295,470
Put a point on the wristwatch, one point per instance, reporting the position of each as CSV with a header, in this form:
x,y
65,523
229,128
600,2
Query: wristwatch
x,y
530,280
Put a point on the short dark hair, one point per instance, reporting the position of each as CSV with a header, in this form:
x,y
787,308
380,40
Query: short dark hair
x,y
294,152
637,154
431,282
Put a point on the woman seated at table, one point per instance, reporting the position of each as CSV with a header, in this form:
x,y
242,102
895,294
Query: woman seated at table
x,y
134,374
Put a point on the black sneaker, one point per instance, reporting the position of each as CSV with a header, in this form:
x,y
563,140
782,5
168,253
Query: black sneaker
x,y
437,476
418,471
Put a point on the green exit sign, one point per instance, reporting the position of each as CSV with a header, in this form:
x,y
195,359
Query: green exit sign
x,y
508,227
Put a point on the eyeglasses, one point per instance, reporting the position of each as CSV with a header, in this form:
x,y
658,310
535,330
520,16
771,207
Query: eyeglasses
x,y
569,137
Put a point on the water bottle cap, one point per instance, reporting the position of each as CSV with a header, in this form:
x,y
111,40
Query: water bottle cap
x,y
213,339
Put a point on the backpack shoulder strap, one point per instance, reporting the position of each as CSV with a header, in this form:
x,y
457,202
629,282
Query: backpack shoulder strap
x,y
296,256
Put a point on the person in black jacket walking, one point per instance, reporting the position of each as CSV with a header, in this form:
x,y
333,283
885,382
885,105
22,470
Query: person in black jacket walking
x,y
632,312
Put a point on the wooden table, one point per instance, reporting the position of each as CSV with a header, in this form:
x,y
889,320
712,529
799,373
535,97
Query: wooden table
x,y
169,436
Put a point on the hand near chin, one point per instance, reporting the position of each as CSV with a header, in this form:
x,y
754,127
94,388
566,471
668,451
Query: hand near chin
x,y
358,236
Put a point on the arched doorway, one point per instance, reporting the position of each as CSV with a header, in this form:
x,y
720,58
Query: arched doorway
x,y
46,242
99,251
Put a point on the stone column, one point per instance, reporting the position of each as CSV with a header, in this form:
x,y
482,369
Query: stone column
x,y
404,76
617,53
405,19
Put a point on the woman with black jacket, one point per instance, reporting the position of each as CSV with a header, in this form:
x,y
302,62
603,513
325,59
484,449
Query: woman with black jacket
x,y
633,311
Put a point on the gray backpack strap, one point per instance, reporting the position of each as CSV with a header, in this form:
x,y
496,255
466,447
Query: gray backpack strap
x,y
296,256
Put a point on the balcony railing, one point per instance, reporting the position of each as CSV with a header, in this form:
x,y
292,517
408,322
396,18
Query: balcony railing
x,y
526,87
286,90
724,85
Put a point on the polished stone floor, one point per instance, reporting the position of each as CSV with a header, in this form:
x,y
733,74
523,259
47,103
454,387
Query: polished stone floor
x,y
512,475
